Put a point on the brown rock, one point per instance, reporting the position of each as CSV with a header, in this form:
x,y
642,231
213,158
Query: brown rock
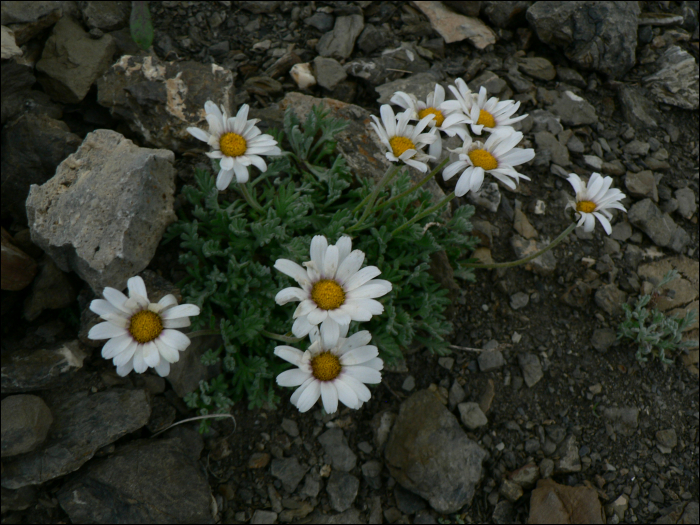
x,y
18,268
554,503
522,225
454,27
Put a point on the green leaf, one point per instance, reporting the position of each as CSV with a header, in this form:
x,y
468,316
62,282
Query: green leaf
x,y
141,25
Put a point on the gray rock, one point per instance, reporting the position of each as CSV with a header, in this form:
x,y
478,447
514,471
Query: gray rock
x,y
107,227
471,415
349,517
636,147
519,83
624,420
428,453
526,476
382,424
574,110
543,120
456,395
409,383
146,481
548,143
637,108
33,147
408,502
503,14
610,298
290,427
20,499
72,61
465,8
681,513
336,446
603,338
186,374
82,425
660,227
454,27
519,300
546,468
544,264
621,231
339,42
503,512
490,360
571,76
418,84
261,517
18,268
594,35
260,7
51,289
488,197
329,73
321,21
384,68
594,162
25,423
373,38
686,202
511,490
642,184
667,438
494,84
312,485
531,367
105,17
342,490
289,472
569,460
676,79
24,370
537,67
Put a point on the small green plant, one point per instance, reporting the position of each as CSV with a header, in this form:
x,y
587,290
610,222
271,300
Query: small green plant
x,y
141,25
653,332
229,249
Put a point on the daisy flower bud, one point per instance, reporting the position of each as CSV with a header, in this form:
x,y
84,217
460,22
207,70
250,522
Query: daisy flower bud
x,y
593,200
237,143
141,333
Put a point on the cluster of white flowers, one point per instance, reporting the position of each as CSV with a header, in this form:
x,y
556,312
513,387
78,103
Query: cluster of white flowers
x,y
335,290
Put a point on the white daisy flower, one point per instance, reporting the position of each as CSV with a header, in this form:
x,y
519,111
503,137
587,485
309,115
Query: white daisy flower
x,y
333,372
593,200
404,141
334,291
141,333
237,143
449,121
497,156
491,114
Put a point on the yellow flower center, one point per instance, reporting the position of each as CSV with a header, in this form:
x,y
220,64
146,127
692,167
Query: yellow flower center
x,y
145,326
400,144
439,118
586,206
327,294
232,145
486,119
483,159
325,366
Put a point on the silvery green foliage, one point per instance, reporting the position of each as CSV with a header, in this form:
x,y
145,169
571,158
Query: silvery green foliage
x,y
229,250
653,332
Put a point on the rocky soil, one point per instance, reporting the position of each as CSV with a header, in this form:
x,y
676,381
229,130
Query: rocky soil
x,y
539,414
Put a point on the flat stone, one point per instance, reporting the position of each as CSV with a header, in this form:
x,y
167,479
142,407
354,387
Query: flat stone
x,y
373,38
409,383
519,300
537,67
636,147
676,79
107,227
146,481
382,423
339,42
543,120
321,21
610,298
547,142
418,84
544,264
574,110
261,517
642,184
290,427
389,66
72,61
408,502
688,512
289,472
526,476
659,226
531,367
471,415
603,338
554,503
342,490
454,27
579,28
667,438
488,197
336,446
490,360
511,490
25,423
522,225
638,108
329,73
18,268
429,454
687,205
82,425
624,420
456,395
51,289
505,14
569,460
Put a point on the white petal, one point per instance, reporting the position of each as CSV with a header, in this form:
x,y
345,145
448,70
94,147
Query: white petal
x,y
293,377
167,301
241,172
163,368
182,322
319,245
589,223
464,183
346,394
330,262
105,331
290,294
330,332
370,305
116,299
361,277
183,310
361,391
140,365
297,393
339,316
176,339
123,370
126,355
356,340
105,309
329,396
226,163
167,352
199,134
224,179
388,119
453,168
304,308
371,289
136,302
359,355
309,396
137,287
349,266
344,245
116,346
257,161
364,374
356,313
604,222
375,363
293,270
317,316
301,326
151,355
289,354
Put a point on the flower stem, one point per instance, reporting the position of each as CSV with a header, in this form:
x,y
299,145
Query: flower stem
x,y
551,245
418,217
368,202
282,338
415,187
250,199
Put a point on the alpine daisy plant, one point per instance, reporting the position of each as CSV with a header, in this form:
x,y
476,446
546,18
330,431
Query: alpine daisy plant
x,y
593,200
